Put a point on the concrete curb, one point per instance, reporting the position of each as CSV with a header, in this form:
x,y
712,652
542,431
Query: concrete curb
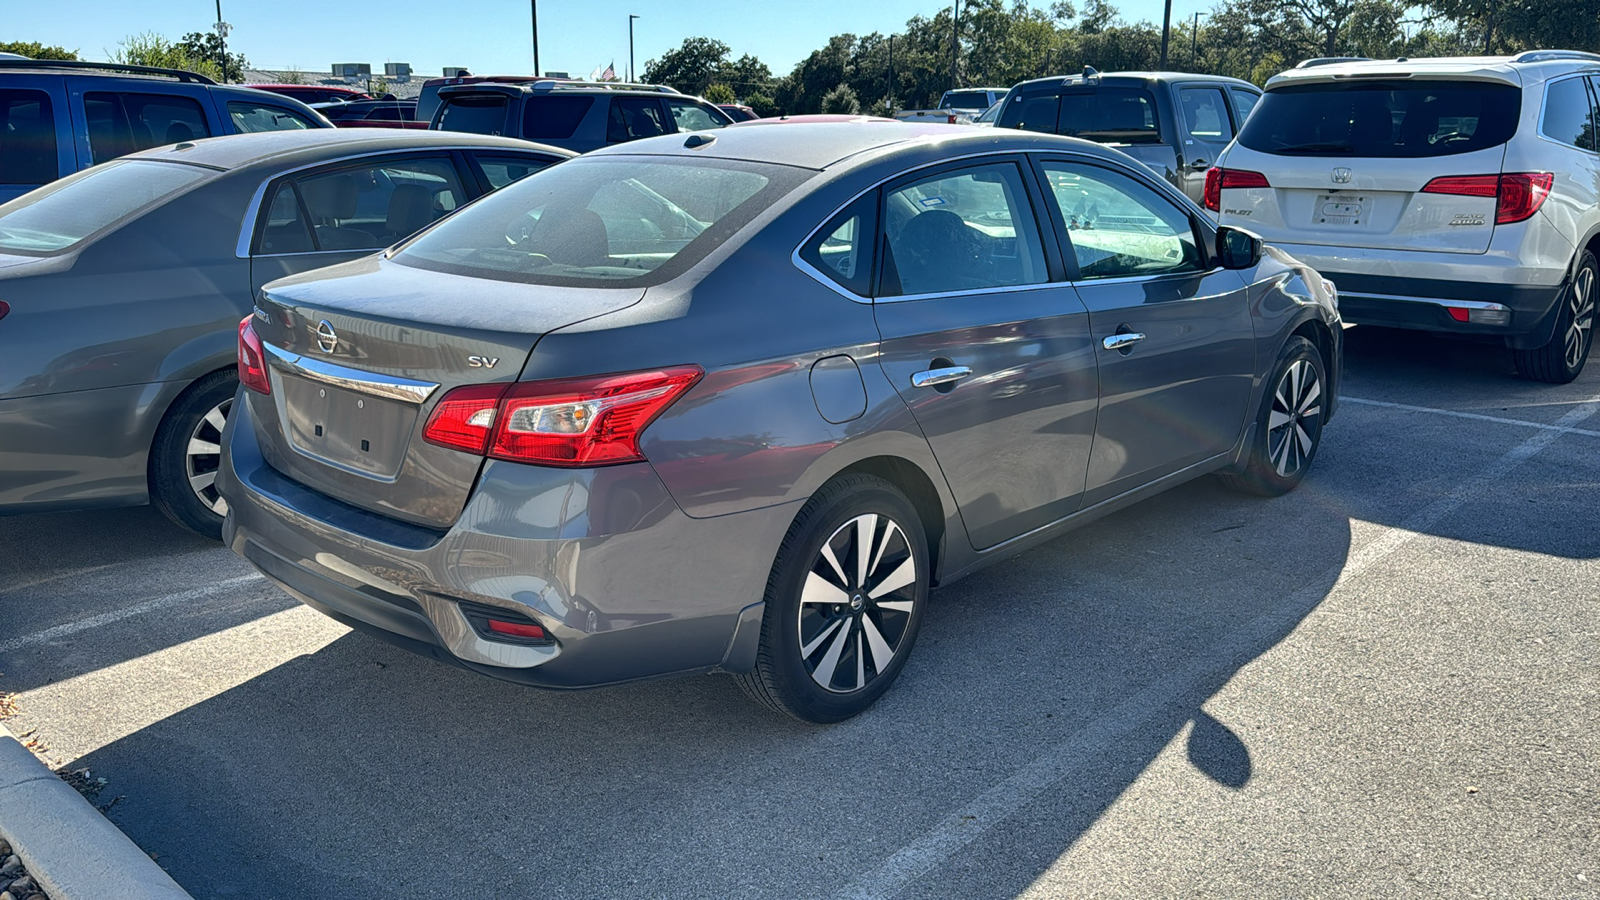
x,y
73,851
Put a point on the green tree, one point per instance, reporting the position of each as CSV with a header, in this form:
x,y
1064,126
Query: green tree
x,y
690,68
151,49
763,104
209,45
1513,25
841,100
720,93
36,50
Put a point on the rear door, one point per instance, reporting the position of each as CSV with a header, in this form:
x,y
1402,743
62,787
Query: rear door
x,y
1172,333
989,352
35,134
119,121
1347,163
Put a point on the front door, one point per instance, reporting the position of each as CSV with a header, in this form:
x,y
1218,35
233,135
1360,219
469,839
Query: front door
x,y
991,356
1172,332
1207,129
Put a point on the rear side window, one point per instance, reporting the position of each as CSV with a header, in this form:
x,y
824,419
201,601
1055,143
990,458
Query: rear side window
x,y
1126,115
59,216
1243,102
842,249
249,118
553,117
1569,117
1384,119
481,114
285,230
632,118
27,138
502,170
1035,113
119,124
372,206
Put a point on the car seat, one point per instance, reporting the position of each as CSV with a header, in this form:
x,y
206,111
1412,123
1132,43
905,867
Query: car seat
x,y
572,237
936,251
331,200
410,210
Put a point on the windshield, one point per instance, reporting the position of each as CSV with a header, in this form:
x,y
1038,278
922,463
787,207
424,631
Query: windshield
x,y
615,220
58,217
1383,119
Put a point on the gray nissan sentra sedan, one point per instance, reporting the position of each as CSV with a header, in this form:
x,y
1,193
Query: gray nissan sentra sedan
x,y
735,402
121,289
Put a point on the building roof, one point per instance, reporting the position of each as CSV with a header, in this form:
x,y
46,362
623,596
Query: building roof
x,y
407,89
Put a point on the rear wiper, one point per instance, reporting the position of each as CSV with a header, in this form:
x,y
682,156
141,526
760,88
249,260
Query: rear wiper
x,y
1317,147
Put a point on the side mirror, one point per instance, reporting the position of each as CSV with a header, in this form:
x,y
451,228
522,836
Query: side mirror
x,y
1237,248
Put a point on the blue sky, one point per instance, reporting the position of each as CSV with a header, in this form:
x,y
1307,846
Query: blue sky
x,y
487,36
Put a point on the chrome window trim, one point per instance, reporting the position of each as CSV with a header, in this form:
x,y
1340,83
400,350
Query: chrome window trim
x,y
389,387
241,249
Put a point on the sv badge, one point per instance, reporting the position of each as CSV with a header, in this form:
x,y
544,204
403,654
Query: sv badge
x,y
482,362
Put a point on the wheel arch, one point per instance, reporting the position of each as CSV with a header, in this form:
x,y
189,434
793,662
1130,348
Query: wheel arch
x,y
912,481
1321,336
162,404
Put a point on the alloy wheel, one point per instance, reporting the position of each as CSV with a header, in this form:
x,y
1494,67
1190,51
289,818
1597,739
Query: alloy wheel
x,y
202,457
1294,422
1581,308
856,603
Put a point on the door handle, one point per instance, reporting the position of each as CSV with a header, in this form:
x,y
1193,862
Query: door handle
x,y
1122,342
1199,165
936,377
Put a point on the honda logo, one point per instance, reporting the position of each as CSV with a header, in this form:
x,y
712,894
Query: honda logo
x,y
1341,175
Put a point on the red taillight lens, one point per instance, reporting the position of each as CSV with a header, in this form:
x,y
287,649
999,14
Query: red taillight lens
x,y
585,421
1219,180
1518,194
4,308
567,422
252,360
464,418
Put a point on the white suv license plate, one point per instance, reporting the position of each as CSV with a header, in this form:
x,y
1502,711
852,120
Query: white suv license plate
x,y
1340,212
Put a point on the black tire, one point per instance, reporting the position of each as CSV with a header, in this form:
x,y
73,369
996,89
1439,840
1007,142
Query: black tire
x,y
859,644
1561,360
1288,424
180,481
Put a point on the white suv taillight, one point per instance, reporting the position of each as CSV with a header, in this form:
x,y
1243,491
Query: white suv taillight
x,y
571,422
1218,180
1518,195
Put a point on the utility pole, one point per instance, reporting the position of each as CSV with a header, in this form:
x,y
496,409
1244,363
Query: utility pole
x,y
222,44
632,77
535,8
1194,43
1488,29
1166,33
889,102
955,44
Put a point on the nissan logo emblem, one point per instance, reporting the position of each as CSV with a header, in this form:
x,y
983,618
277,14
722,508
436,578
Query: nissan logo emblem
x,y
1341,175
327,338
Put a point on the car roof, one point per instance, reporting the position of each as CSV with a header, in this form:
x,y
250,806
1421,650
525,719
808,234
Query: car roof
x,y
310,146
1131,79
821,145
1533,66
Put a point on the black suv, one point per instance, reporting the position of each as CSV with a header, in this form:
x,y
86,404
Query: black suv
x,y
1174,122
59,116
574,115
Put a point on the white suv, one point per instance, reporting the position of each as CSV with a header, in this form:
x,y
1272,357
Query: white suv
x,y
1440,194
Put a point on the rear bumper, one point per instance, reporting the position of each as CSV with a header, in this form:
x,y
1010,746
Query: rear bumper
x,y
627,585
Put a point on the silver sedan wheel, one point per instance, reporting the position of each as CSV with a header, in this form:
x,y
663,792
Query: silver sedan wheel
x,y
202,457
1581,307
856,603
1294,423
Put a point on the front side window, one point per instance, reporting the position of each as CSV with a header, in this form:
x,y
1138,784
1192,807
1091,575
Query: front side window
x,y
692,116
842,249
553,117
603,221
1569,117
250,117
632,118
120,124
27,138
961,231
1124,115
372,206
1205,113
480,114
1384,119
502,170
1119,227
58,217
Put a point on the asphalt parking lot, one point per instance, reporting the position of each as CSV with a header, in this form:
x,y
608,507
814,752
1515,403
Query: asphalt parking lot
x,y
1382,684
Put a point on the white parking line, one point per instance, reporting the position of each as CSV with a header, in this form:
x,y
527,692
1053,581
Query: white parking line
x,y
965,825
1498,420
117,615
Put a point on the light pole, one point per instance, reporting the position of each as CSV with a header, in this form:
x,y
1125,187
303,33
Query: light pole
x,y
222,44
955,44
632,76
534,4
1194,42
1166,32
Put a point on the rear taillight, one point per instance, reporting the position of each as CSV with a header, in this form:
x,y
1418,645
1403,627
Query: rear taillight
x,y
252,359
567,422
1518,195
1219,180
4,308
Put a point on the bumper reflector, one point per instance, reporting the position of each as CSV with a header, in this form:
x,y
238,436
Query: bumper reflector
x,y
517,629
1494,314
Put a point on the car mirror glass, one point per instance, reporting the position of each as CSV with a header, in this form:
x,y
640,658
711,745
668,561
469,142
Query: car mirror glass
x,y
1237,248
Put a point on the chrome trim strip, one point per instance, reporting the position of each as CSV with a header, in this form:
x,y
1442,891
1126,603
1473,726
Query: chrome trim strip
x,y
1464,304
389,387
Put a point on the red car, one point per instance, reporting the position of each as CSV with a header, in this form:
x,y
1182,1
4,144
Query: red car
x,y
314,93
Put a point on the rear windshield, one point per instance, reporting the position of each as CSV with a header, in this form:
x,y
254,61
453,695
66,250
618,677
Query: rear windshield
x,y
966,100
602,221
553,117
58,217
1108,114
478,114
1383,119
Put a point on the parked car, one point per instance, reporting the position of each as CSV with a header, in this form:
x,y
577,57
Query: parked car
x,y
58,116
428,99
578,115
813,118
1174,122
314,93
373,114
123,287
733,402
738,112
960,107
1454,195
